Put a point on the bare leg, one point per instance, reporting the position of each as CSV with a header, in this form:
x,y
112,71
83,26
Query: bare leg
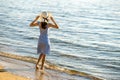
x,y
40,58
43,61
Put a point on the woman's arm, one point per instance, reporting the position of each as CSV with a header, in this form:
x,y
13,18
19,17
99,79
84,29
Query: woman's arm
x,y
55,24
33,23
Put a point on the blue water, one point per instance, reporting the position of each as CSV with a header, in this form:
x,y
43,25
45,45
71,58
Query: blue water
x,y
88,39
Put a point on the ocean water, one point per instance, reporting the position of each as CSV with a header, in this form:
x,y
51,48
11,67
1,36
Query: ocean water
x,y
88,39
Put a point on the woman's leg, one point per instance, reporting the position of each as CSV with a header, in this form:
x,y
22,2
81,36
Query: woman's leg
x,y
43,61
40,58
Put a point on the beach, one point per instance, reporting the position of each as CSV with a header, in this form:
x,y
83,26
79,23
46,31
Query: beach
x,y
26,68
85,45
4,75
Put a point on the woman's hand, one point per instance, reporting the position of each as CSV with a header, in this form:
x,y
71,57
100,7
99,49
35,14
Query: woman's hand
x,y
33,23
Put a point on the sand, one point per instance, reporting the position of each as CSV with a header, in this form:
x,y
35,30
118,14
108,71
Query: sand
x,y
25,68
4,75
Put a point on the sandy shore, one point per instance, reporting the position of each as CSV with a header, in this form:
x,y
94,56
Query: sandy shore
x,y
25,67
4,75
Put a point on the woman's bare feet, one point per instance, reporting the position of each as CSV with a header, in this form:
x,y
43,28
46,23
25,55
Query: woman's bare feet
x,y
37,67
42,71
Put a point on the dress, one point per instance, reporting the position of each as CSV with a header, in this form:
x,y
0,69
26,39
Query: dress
x,y
43,42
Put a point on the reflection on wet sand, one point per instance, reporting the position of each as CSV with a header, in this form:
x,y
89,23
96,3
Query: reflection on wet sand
x,y
41,75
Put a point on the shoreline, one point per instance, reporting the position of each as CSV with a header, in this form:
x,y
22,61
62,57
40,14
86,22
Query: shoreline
x,y
49,65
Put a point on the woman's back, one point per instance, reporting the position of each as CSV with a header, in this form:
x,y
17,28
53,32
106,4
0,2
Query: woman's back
x,y
43,31
43,34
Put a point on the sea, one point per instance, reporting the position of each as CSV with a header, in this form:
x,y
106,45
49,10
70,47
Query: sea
x,y
88,38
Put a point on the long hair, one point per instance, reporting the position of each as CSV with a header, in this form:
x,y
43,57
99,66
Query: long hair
x,y
43,24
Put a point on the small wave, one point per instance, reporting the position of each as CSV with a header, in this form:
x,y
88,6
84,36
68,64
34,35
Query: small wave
x,y
30,38
50,65
64,55
98,46
101,18
109,19
68,43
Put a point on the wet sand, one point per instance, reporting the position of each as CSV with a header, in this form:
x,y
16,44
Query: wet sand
x,y
4,75
25,66
27,70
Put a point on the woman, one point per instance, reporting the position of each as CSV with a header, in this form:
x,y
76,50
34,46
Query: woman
x,y
43,42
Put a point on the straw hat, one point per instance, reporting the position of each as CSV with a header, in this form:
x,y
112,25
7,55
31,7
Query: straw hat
x,y
44,14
